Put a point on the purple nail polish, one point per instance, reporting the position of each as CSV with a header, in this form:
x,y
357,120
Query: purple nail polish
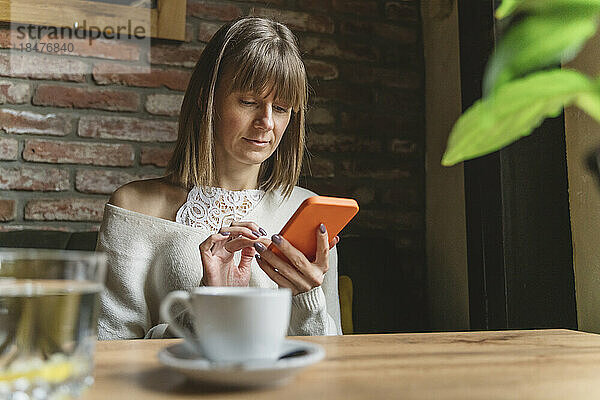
x,y
255,233
259,247
225,233
262,231
257,257
322,228
276,239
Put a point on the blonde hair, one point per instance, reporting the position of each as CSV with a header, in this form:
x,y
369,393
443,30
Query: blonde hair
x,y
260,56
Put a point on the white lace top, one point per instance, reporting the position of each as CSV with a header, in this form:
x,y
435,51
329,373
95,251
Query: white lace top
x,y
214,207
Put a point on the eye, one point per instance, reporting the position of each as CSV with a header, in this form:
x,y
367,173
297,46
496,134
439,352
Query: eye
x,y
248,102
281,109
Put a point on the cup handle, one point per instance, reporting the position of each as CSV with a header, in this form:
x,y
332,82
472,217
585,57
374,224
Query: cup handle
x,y
183,297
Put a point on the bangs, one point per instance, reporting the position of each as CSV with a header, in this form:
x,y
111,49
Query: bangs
x,y
268,68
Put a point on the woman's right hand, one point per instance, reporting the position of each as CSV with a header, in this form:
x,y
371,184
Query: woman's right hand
x,y
217,251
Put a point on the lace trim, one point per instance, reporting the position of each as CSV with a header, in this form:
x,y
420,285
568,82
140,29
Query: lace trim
x,y
213,207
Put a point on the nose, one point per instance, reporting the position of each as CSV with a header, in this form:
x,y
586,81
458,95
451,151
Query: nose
x,y
264,119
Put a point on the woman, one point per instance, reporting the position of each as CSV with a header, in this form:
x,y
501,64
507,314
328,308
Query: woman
x,y
230,183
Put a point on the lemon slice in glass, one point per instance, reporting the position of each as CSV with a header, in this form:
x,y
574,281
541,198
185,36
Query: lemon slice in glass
x,y
55,370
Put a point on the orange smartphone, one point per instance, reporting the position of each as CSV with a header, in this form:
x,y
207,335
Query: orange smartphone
x,y
300,230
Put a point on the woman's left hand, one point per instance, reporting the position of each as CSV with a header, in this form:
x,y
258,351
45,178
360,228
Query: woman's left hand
x,y
299,274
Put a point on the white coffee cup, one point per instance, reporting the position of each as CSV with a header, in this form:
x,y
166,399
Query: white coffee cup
x,y
232,324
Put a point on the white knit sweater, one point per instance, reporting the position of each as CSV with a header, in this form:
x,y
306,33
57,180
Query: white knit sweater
x,y
148,257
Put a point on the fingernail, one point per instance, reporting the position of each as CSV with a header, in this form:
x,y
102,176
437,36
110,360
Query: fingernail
x,y
225,233
276,239
262,231
257,256
255,233
322,228
259,247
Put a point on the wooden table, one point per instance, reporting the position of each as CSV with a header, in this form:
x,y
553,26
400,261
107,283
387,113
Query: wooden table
x,y
544,364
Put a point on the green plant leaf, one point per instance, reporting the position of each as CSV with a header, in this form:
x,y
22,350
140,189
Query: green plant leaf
x,y
580,7
537,42
516,109
507,8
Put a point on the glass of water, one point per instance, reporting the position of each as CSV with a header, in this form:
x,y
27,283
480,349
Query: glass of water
x,y
49,302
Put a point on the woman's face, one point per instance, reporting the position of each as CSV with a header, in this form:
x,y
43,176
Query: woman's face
x,y
248,126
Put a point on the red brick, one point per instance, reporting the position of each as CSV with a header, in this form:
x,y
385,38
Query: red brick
x,y
5,38
406,147
395,123
36,179
44,227
14,92
210,10
319,167
274,2
183,55
321,70
13,121
358,28
401,34
364,195
8,210
105,181
363,8
323,47
345,92
401,10
392,77
120,155
158,156
101,48
206,30
315,5
10,38
297,20
42,67
389,219
342,143
75,97
69,209
124,128
164,104
9,149
320,115
189,32
401,56
393,99
373,168
328,187
395,195
123,74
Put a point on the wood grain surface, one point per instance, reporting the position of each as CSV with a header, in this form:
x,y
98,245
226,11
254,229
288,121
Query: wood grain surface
x,y
534,364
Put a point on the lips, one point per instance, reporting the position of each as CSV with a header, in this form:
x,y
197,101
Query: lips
x,y
257,141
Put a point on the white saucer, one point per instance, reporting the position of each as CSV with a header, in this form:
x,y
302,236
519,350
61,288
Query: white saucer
x,y
244,374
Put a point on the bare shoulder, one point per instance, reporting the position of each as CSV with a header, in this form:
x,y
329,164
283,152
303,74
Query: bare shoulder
x,y
156,197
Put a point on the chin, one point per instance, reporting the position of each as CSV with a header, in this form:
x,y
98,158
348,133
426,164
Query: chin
x,y
256,157
253,160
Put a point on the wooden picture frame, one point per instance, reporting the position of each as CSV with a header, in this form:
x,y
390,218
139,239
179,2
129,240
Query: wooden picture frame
x,y
166,21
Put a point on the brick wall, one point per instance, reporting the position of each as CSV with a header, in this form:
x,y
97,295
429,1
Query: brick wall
x,y
68,140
